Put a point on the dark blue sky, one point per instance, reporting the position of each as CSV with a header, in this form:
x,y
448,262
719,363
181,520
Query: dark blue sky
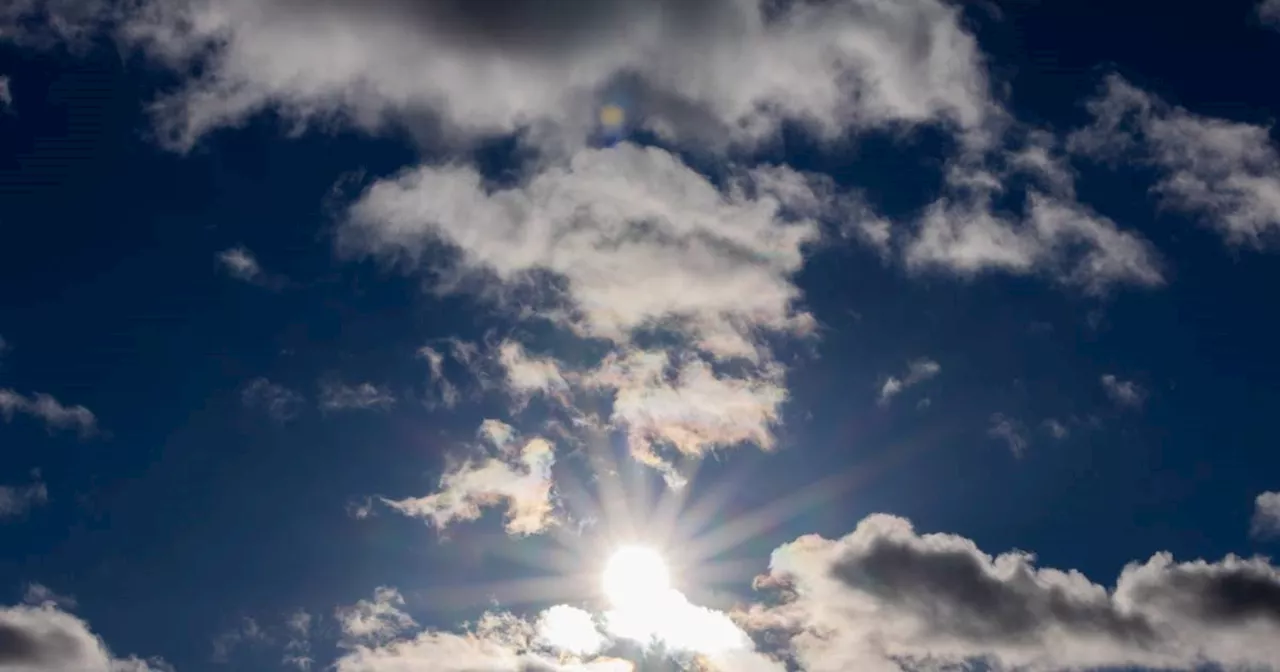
x,y
189,506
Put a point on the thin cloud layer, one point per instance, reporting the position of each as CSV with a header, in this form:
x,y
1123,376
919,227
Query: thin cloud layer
x,y
886,595
719,69
518,477
1224,173
49,410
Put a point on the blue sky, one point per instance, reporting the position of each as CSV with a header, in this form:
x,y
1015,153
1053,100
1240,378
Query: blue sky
x,y
360,336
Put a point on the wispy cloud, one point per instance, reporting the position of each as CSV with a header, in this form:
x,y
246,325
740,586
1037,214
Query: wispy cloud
x,y
49,410
241,264
517,477
1269,12
1224,172
1010,431
1124,392
17,500
336,396
297,649
918,371
6,94
279,402
247,631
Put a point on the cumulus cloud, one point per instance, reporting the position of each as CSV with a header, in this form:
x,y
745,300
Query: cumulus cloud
x,y
279,402
633,240
1010,431
918,371
49,410
1225,173
721,70
886,596
1123,392
365,396
1266,515
17,500
45,638
518,477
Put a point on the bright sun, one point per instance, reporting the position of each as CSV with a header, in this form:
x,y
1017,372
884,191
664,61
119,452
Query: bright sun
x,y
635,576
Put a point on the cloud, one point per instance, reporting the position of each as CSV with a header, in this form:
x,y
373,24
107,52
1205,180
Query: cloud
x,y
1266,516
563,638
39,595
281,403
241,264
297,649
632,241
365,396
17,500
1056,429
885,597
49,410
720,70
1269,12
448,392
1223,172
47,639
6,95
247,630
374,622
518,477
1057,237
1010,431
1123,392
918,371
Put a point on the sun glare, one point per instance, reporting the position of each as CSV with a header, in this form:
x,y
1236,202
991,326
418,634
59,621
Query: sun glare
x,y
634,577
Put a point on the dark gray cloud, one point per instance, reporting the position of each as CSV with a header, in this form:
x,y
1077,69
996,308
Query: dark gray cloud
x,y
46,639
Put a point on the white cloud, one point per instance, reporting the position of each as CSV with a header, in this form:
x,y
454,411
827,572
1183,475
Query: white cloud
x,y
918,371
1010,431
1056,429
527,375
518,477
1123,392
365,396
241,264
6,95
49,410
374,621
278,401
1266,515
1224,172
885,597
566,629
1269,12
718,70
17,500
47,639
1057,237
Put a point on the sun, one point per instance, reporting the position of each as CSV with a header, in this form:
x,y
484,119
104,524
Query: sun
x,y
635,576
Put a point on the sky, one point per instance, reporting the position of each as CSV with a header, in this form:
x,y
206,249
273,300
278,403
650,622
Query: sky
x,y
632,335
